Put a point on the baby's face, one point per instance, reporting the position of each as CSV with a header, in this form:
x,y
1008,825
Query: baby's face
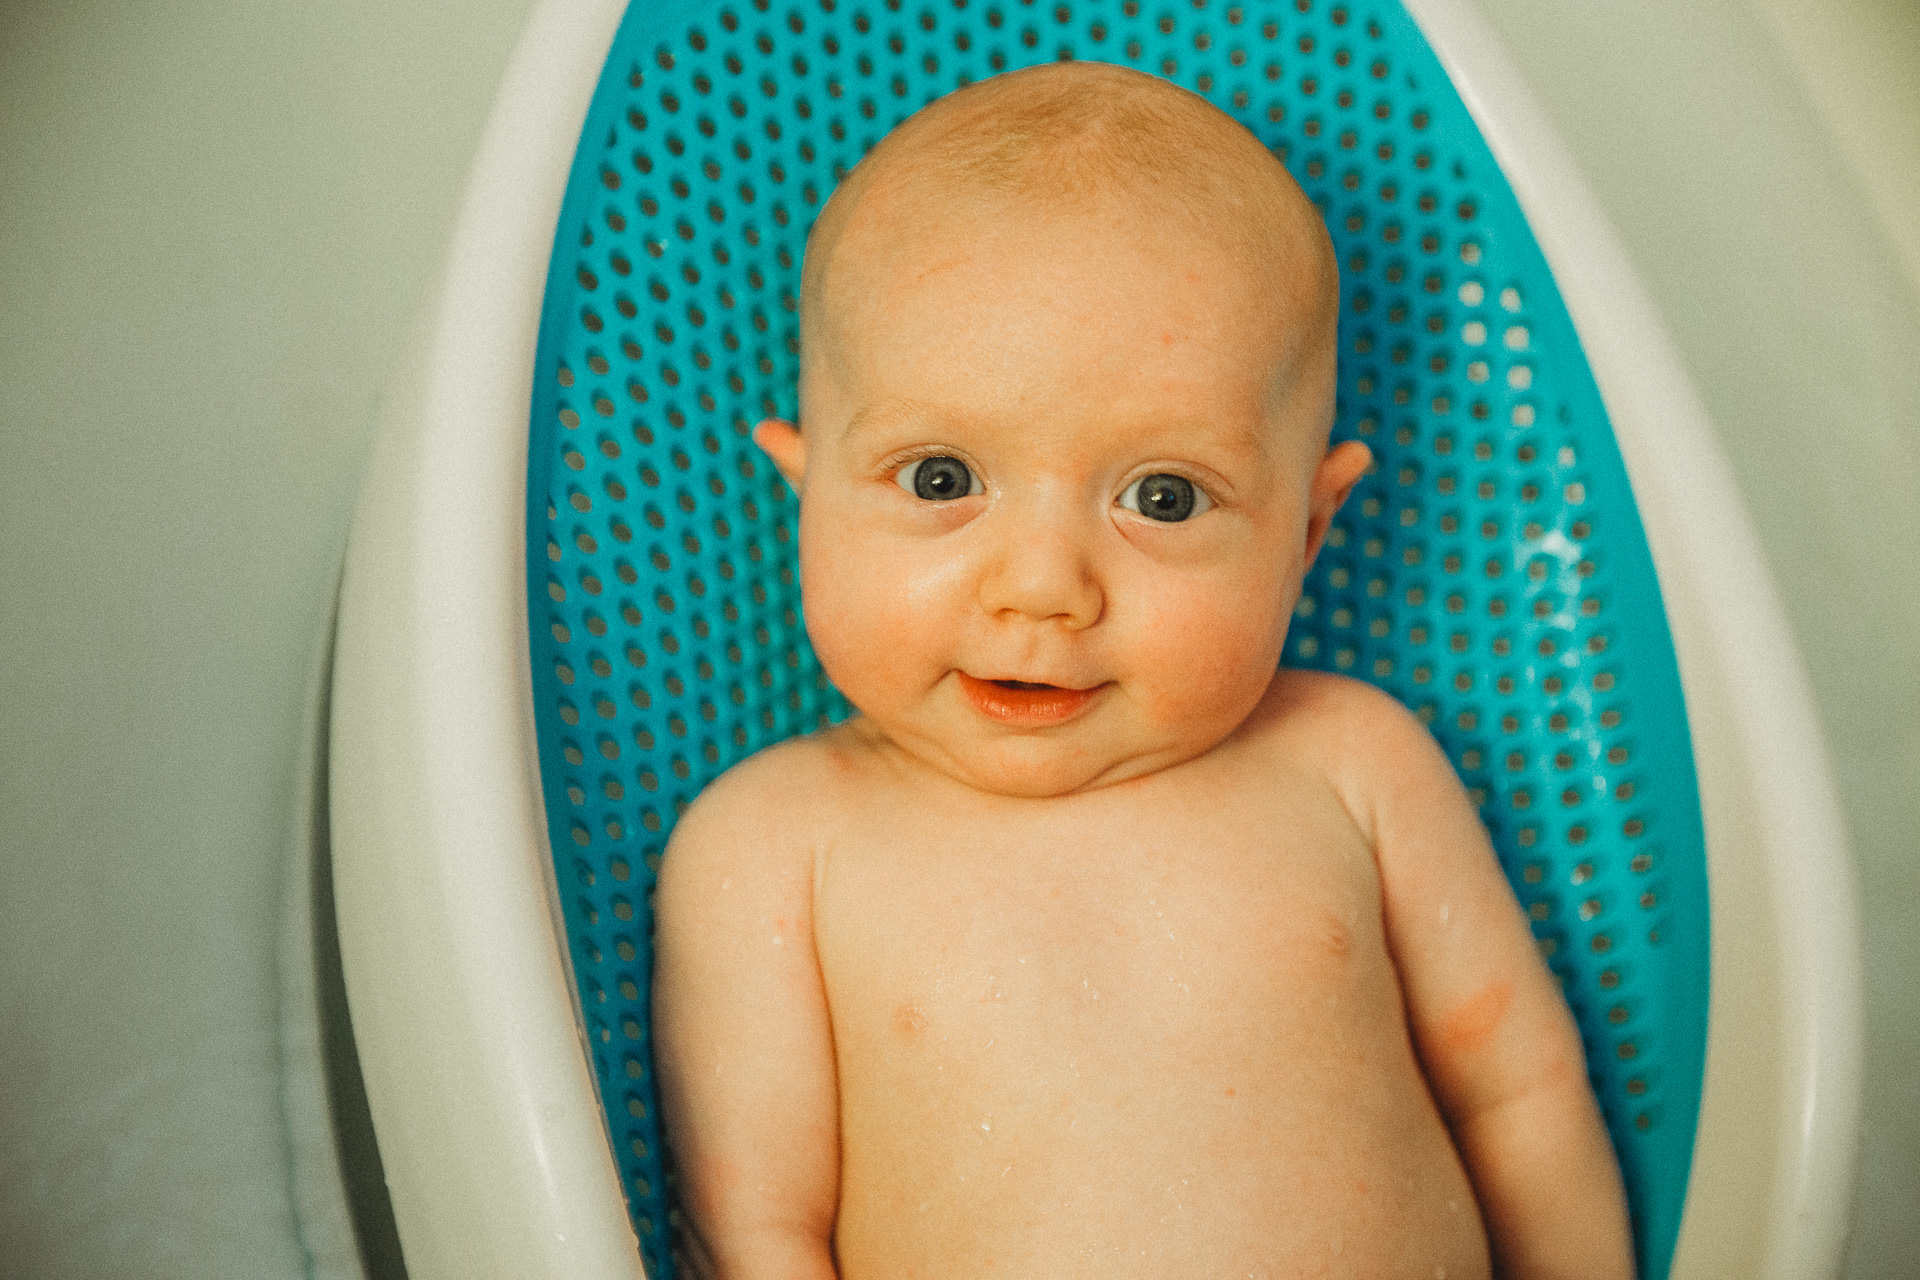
x,y
1060,482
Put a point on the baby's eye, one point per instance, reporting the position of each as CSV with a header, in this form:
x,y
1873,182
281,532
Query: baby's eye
x,y
939,479
1164,497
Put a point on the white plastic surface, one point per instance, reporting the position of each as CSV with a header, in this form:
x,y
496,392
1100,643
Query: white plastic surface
x,y
495,1150
1779,1123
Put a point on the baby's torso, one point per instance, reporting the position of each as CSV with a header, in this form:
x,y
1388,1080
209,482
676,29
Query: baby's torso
x,y
1153,1030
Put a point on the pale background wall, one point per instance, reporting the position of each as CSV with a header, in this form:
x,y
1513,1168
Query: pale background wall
x,y
215,217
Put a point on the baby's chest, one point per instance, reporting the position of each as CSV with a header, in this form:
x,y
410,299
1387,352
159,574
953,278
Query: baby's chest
x,y
1100,931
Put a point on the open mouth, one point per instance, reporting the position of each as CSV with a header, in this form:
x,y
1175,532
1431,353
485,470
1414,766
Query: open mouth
x,y
1025,702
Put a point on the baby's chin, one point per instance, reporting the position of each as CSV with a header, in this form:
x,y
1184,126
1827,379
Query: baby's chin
x,y
1041,765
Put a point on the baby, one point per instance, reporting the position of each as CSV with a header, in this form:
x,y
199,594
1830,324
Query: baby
x,y
1096,944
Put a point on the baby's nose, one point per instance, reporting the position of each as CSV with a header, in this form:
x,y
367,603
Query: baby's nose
x,y
1042,572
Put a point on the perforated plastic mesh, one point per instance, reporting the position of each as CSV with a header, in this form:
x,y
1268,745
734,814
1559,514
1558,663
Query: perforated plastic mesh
x,y
1490,572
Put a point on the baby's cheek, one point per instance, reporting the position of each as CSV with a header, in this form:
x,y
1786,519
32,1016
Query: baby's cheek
x,y
1210,652
868,624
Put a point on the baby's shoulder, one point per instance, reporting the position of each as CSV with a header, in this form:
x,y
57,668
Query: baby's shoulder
x,y
752,834
777,794
1333,710
1359,736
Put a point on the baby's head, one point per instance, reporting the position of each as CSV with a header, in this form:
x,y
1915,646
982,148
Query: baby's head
x,y
1067,380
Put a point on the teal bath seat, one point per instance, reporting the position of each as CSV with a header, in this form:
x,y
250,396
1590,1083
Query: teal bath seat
x,y
572,597
1491,574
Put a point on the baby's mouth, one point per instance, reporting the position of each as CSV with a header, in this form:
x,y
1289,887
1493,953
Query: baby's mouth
x,y
1025,702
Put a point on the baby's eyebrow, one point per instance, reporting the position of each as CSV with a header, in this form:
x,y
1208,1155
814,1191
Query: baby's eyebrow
x,y
1248,443
1251,445
885,413
1254,442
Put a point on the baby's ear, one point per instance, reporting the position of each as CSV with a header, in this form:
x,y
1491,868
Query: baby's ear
x,y
1334,479
782,441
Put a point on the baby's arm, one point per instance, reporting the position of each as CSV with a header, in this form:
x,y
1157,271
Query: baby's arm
x,y
1498,1044
743,1044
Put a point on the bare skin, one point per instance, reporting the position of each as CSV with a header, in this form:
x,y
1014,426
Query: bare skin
x,y
1093,947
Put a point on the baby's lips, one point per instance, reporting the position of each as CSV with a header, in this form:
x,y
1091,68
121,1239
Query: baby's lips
x,y
1025,704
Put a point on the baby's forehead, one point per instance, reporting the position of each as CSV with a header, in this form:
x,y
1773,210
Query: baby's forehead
x,y
1167,276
